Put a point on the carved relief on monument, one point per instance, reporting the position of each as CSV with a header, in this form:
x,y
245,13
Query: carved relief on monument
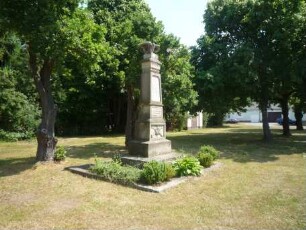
x,y
157,131
155,89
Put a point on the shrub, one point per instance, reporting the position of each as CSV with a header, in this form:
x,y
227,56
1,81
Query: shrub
x,y
15,136
170,172
60,153
187,166
209,150
114,172
117,158
205,159
18,113
154,172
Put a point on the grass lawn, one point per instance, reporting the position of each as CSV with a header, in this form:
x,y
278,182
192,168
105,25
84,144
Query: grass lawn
x,y
259,186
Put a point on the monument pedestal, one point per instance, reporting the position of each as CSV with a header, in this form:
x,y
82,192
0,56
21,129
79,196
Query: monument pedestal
x,y
149,148
150,128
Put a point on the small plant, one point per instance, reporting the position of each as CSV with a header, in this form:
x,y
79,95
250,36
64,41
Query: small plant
x,y
115,172
117,158
209,150
170,172
187,166
60,154
205,159
154,172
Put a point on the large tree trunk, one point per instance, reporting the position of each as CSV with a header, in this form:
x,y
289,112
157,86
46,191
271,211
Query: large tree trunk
x,y
130,115
298,117
265,124
285,112
45,133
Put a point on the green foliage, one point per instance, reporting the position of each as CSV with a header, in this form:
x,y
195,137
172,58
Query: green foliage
x,y
84,77
179,96
127,24
205,119
60,153
15,136
18,109
154,172
17,113
208,149
218,79
243,53
39,22
205,159
187,166
94,58
115,172
117,158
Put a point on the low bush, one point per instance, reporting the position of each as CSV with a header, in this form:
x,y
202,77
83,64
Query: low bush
x,y
205,159
187,166
154,172
15,136
208,149
60,153
115,172
117,158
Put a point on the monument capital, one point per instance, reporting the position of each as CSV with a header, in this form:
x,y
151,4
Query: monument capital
x,y
149,47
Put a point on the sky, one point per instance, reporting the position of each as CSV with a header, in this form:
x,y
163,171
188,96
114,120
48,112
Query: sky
x,y
183,18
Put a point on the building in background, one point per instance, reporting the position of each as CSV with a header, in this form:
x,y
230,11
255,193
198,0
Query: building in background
x,y
253,114
195,122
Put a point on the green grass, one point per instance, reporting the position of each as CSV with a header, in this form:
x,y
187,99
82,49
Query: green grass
x,y
259,186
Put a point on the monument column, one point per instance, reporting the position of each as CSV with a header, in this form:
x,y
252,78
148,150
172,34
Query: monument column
x,y
150,127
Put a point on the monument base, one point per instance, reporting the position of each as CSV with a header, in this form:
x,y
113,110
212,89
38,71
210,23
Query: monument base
x,y
149,148
140,161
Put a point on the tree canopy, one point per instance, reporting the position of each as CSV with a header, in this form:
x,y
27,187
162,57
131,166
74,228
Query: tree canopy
x,y
257,44
83,61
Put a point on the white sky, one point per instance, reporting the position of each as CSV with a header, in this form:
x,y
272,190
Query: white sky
x,y
183,18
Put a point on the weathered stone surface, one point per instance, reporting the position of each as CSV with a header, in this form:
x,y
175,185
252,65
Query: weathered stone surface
x,y
150,127
149,148
138,161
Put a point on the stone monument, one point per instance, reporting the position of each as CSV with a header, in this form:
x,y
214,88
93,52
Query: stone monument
x,y
150,127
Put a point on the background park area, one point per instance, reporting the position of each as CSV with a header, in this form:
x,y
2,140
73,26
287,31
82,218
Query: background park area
x,y
258,186
93,78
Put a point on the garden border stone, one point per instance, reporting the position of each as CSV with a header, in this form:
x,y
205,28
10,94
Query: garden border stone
x,y
84,171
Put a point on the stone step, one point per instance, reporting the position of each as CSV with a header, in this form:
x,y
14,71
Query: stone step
x,y
139,161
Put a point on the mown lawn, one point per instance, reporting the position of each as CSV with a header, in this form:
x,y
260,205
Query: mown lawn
x,y
259,186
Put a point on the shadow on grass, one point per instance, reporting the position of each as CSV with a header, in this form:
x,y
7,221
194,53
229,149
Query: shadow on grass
x,y
13,166
242,145
104,150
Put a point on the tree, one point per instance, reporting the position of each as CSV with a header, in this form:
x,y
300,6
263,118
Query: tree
x,y
18,112
128,24
298,105
284,22
230,22
254,29
218,78
83,83
179,95
46,30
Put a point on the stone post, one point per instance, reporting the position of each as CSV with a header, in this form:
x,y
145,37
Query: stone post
x,y
150,127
